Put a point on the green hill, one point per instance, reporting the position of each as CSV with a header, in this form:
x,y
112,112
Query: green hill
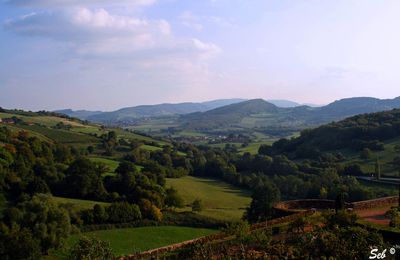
x,y
221,200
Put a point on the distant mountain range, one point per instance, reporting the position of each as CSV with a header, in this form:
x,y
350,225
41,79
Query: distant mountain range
x,y
258,113
146,111
166,109
240,113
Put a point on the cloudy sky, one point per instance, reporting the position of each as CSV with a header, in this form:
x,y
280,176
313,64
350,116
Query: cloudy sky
x,y
103,55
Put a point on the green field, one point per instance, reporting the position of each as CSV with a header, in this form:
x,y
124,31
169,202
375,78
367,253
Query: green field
x,y
385,158
130,240
77,203
111,164
61,136
221,201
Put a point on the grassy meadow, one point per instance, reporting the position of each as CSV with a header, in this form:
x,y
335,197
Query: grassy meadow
x,y
385,158
77,203
127,241
220,200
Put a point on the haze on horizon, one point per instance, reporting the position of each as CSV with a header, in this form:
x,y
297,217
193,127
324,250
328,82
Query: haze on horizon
x,y
99,55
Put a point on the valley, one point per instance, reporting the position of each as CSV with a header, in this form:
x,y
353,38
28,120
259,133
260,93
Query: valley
x,y
137,191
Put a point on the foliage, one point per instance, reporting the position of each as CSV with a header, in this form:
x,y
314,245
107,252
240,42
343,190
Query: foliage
x,y
91,249
394,216
197,205
173,199
18,244
48,223
263,199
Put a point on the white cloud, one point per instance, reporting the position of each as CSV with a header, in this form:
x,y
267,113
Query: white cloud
x,y
98,32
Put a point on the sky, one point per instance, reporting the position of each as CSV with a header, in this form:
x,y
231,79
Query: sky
x,y
104,55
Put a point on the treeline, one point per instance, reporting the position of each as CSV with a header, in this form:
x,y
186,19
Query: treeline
x,y
323,178
367,131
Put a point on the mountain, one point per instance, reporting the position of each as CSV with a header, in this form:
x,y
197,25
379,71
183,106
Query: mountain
x,y
146,111
353,106
227,115
81,114
283,103
258,113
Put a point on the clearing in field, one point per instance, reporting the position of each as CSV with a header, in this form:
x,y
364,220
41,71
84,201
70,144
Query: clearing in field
x,y
127,241
78,204
221,201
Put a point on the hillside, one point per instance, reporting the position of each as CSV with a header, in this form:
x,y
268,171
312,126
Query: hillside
x,y
353,106
145,111
81,114
228,115
259,113
57,128
355,133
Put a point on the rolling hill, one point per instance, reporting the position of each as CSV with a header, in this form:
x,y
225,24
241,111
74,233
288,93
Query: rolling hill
x,y
145,111
258,113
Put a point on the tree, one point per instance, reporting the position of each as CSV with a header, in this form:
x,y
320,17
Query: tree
x,y
173,199
49,223
377,169
265,149
263,199
197,205
99,214
339,202
91,249
84,180
366,154
18,244
123,212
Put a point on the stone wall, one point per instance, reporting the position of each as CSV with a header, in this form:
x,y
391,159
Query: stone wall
x,y
154,253
293,206
375,203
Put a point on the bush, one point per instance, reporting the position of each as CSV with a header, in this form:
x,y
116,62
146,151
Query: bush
x,y
197,205
123,212
91,249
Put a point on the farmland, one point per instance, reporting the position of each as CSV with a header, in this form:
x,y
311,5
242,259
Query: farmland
x,y
221,201
78,204
130,240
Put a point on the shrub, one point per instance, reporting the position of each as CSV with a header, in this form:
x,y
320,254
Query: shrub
x,y
123,212
197,205
91,249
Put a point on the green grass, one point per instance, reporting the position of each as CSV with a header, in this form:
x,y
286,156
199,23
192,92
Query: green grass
x,y
130,240
385,157
61,136
221,201
150,148
111,164
78,204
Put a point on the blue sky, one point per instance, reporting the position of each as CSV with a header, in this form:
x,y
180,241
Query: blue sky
x,y
103,55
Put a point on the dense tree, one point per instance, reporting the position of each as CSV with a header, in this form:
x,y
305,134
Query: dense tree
x,y
84,180
123,212
47,222
263,199
18,244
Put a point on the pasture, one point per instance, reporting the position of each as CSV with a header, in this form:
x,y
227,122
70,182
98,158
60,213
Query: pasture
x,y
221,201
127,241
78,204
385,159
